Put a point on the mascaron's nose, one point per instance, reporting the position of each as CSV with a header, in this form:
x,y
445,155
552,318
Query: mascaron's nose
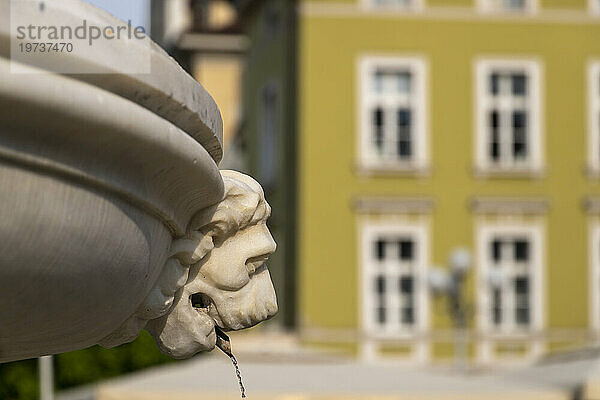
x,y
266,242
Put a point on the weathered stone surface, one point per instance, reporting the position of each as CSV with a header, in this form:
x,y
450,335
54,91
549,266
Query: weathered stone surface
x,y
227,247
167,91
114,211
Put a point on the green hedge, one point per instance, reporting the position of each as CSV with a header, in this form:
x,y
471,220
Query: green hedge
x,y
19,380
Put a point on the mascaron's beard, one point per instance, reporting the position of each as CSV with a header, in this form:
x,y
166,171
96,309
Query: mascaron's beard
x,y
246,307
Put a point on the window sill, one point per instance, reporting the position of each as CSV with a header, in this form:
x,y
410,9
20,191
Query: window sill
x,y
509,172
504,12
399,169
408,335
516,335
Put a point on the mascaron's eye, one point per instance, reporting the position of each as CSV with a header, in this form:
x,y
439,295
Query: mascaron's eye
x,y
218,240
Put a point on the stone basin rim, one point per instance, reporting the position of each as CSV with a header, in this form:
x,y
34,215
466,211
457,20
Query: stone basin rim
x,y
119,156
169,91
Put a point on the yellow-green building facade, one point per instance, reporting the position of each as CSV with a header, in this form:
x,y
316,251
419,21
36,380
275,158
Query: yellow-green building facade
x,y
425,125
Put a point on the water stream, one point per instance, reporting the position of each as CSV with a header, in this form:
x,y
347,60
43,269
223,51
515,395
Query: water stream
x,y
224,343
239,375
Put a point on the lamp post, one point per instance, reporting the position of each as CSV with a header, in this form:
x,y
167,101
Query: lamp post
x,y
450,282
46,376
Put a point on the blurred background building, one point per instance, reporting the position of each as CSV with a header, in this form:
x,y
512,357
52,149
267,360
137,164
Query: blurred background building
x,y
420,126
388,132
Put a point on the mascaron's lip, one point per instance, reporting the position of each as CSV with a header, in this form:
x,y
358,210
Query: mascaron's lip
x,y
206,304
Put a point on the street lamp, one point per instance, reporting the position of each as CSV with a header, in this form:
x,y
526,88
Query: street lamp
x,y
450,282
439,280
495,278
460,261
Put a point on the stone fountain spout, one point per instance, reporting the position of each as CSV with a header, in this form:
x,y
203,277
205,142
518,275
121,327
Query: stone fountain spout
x,y
222,259
115,216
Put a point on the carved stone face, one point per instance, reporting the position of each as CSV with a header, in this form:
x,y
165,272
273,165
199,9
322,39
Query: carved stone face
x,y
227,284
234,282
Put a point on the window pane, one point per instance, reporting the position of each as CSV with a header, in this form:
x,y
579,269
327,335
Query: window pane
x,y
406,285
519,85
520,134
497,306
404,133
381,315
496,250
392,81
404,82
378,81
378,129
521,286
406,249
522,316
519,120
408,315
380,285
380,249
495,135
522,300
514,4
495,84
521,250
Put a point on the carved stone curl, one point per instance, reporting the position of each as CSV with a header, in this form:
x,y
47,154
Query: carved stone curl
x,y
221,263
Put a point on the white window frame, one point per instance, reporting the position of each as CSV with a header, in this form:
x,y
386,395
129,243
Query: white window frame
x,y
593,85
533,70
487,7
417,66
415,5
594,276
370,230
485,234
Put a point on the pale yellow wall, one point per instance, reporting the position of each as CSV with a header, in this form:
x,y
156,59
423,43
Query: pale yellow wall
x,y
329,50
221,77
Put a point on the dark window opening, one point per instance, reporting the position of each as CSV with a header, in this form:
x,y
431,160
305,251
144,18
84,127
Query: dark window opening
x,y
404,133
406,249
521,250
380,249
408,315
378,125
520,134
522,300
406,285
496,250
381,317
495,136
519,84
380,285
495,84
497,306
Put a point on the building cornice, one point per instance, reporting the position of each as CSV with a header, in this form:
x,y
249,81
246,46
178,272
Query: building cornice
x,y
543,16
508,205
393,205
